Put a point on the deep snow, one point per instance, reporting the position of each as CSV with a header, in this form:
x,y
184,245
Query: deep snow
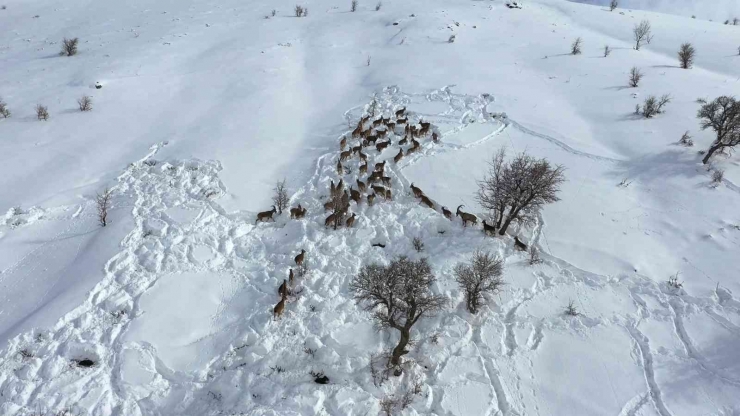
x,y
206,104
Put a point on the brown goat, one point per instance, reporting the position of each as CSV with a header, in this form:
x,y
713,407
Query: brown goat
x,y
447,213
355,195
329,206
377,122
400,112
488,229
297,212
386,180
277,311
363,168
265,215
374,177
402,120
435,137
391,126
403,141
329,220
351,221
519,245
378,190
371,139
340,169
299,258
357,149
380,146
357,131
417,191
343,143
370,199
388,195
380,167
397,158
345,155
425,125
364,119
466,218
363,156
426,201
283,288
361,185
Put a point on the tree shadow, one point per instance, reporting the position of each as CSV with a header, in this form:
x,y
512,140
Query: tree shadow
x,y
618,87
666,66
654,168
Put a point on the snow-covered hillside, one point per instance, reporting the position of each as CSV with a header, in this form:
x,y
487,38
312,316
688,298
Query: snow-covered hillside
x,y
206,104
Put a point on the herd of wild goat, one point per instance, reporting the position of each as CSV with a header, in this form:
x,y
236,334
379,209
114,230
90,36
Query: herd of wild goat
x,y
377,131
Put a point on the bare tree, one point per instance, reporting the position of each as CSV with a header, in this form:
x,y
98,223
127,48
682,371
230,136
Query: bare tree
x,y
378,6
42,113
280,198
353,7
575,47
398,295
717,176
479,277
735,21
607,51
635,77
69,47
686,140
653,105
418,244
102,203
300,11
4,111
451,39
642,33
613,5
723,116
517,190
686,55
85,103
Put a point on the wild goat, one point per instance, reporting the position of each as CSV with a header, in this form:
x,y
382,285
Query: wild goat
x,y
340,169
388,195
299,258
345,155
355,195
386,120
380,167
400,112
374,177
466,218
363,168
357,149
435,137
277,311
299,212
343,142
265,215
351,221
377,122
426,201
386,180
381,133
382,145
357,131
488,229
519,245
363,156
417,191
361,185
291,278
364,119
283,288
329,221
397,158
403,141
371,139
391,126
447,213
370,199
378,190
402,120
425,125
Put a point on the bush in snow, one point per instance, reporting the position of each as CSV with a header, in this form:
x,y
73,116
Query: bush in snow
x,y
451,39
353,7
686,55
723,116
571,309
653,105
84,103
69,47
717,176
42,113
607,51
480,277
398,295
273,13
418,244
516,190
378,6
102,203
613,5
674,283
300,11
4,111
280,196
686,140
635,77
534,256
642,33
575,47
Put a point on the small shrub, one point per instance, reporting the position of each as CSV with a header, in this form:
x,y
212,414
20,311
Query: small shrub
x,y
368,60
575,47
717,176
4,111
613,5
686,140
686,55
653,106
607,51
674,283
299,10
85,103
309,351
69,47
388,405
735,21
378,6
635,77
435,338
25,354
312,308
273,13
278,369
42,113
102,203
451,39
534,256
418,244
571,309
353,7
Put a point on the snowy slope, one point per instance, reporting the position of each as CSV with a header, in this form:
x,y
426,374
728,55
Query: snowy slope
x,y
205,104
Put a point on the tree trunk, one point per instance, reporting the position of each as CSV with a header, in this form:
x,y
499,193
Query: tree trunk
x,y
710,152
400,349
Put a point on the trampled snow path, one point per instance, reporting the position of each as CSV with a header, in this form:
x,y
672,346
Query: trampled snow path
x,y
232,355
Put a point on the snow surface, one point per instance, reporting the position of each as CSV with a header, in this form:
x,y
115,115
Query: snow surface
x,y
205,104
